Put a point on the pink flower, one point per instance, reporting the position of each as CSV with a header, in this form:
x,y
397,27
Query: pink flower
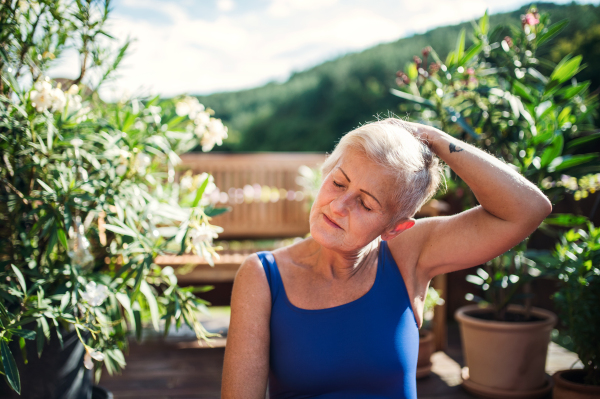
x,y
531,19
470,71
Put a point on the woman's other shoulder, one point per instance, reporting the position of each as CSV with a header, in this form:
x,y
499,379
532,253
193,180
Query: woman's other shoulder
x,y
251,274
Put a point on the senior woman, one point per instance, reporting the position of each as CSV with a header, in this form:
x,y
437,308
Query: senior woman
x,y
336,315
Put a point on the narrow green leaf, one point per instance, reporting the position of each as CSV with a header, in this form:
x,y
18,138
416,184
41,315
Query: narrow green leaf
x,y
523,91
120,230
566,68
569,161
410,97
62,238
568,93
565,220
472,52
553,150
10,367
484,23
200,191
46,187
210,211
26,334
460,45
583,140
20,278
552,31
154,314
138,320
126,303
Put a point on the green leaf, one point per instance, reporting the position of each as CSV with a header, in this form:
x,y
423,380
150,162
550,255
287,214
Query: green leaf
x,y
568,161
200,191
552,31
10,367
27,334
523,91
460,45
138,320
62,238
583,140
569,92
565,220
210,211
413,98
126,303
120,230
553,150
472,52
46,187
566,69
484,25
20,278
154,314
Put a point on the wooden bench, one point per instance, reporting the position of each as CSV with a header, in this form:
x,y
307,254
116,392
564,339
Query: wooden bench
x,y
260,219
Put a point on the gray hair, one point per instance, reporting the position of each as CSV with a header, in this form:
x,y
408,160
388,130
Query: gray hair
x,y
391,144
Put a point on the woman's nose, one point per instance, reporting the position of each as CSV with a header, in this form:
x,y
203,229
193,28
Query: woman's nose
x,y
339,205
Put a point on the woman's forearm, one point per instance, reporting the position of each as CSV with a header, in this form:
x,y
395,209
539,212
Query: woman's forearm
x,y
499,189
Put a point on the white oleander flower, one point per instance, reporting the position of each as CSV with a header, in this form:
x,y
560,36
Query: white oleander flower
x,y
59,100
91,354
189,106
186,182
94,293
121,169
142,162
214,135
204,234
41,97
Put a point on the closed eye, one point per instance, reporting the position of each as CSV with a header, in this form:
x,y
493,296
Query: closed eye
x,y
364,206
336,184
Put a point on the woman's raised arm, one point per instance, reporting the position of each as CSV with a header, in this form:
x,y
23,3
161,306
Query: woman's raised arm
x,y
246,365
511,209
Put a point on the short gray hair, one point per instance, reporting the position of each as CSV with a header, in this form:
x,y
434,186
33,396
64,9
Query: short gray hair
x,y
390,143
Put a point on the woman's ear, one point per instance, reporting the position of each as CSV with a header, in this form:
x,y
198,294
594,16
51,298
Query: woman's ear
x,y
399,228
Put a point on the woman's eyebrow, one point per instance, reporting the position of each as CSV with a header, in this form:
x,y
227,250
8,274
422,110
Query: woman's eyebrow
x,y
347,178
364,191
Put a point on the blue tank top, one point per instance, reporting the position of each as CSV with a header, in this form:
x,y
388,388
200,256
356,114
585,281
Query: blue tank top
x,y
366,348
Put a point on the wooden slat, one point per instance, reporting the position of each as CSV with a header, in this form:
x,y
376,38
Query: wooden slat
x,y
257,219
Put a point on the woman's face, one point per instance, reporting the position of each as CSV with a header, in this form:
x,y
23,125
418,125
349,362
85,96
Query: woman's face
x,y
353,205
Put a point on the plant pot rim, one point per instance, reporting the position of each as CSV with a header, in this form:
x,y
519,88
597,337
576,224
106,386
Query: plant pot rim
x,y
462,315
560,381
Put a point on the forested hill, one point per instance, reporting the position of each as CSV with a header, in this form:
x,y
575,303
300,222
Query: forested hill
x,y
314,108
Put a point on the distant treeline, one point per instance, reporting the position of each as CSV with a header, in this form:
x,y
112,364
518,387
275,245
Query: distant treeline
x,y
314,108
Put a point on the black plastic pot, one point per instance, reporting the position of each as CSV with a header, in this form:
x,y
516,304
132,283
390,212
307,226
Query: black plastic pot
x,y
58,374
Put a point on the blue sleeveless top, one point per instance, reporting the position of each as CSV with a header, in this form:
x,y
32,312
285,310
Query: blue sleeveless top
x,y
366,348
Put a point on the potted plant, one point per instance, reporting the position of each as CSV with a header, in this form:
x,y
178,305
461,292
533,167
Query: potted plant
x,y
576,263
88,199
498,95
426,337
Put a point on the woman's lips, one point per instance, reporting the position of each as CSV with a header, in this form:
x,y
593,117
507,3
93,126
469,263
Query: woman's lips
x,y
331,222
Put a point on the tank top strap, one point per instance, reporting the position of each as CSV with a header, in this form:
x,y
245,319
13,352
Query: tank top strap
x,y
272,271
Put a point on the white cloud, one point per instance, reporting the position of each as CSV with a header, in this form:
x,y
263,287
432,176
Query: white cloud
x,y
225,5
187,48
284,8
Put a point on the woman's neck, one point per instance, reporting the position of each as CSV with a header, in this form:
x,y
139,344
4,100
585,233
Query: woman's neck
x,y
337,265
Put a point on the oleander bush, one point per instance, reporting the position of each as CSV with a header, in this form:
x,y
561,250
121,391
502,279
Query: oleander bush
x,y
88,196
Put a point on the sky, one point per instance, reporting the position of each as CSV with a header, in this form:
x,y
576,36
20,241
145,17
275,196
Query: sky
x,y
207,46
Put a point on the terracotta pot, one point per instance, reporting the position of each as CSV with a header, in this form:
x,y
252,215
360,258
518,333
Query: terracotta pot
x,y
566,388
426,349
506,359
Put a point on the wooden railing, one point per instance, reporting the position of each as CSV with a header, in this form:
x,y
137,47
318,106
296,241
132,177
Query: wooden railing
x,y
286,217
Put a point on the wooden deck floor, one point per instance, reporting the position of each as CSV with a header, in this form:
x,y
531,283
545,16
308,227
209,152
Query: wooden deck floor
x,y
180,369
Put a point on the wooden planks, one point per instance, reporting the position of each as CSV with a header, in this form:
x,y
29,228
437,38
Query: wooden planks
x,y
257,218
